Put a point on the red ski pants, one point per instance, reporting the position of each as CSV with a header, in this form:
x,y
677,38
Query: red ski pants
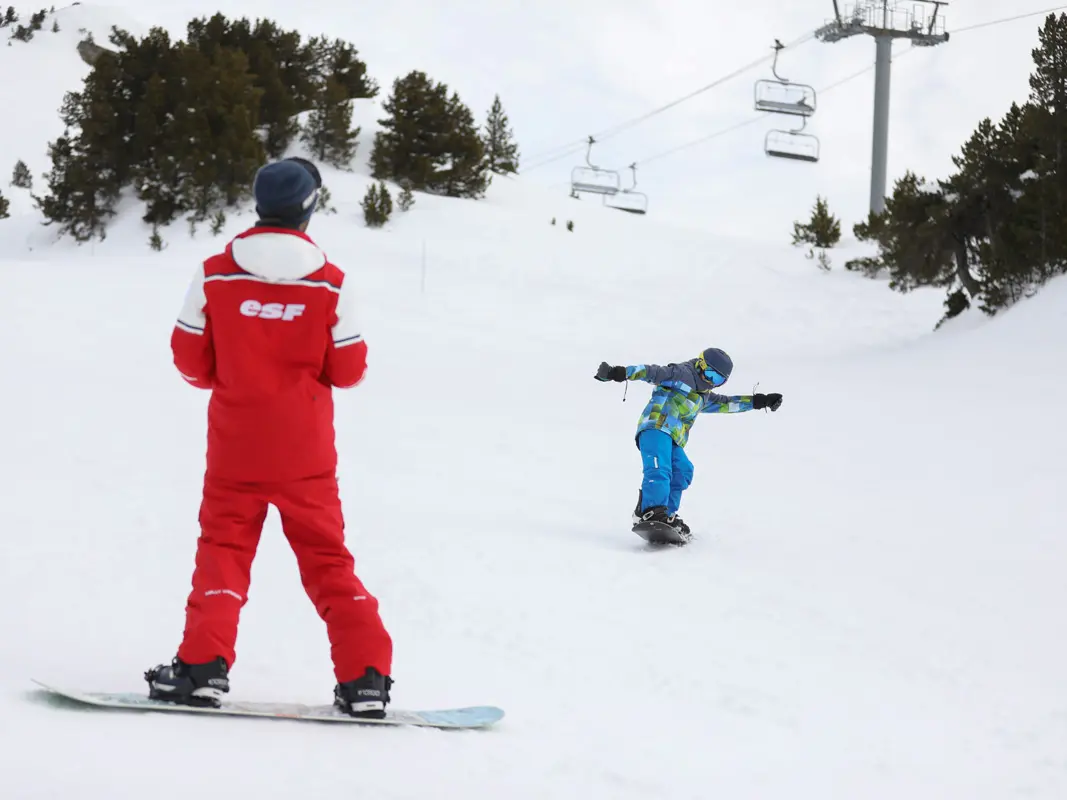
x,y
231,520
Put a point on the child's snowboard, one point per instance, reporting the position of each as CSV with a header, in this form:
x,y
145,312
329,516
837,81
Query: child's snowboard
x,y
660,533
467,717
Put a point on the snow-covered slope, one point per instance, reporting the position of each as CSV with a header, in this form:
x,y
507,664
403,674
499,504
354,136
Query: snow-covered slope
x,y
873,607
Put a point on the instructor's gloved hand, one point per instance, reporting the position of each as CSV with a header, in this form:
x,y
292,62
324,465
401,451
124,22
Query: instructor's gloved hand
x,y
771,401
606,372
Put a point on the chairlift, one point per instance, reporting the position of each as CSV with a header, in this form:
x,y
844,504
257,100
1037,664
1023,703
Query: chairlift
x,y
629,200
781,96
592,179
792,145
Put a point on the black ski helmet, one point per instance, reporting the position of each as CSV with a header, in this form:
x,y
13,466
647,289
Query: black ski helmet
x,y
714,359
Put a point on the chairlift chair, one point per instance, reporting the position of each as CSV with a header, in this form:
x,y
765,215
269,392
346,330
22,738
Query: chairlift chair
x,y
636,202
792,145
629,200
781,96
776,97
594,180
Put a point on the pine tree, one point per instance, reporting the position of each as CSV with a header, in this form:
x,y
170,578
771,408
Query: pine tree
x,y
998,231
823,230
911,233
1048,91
21,176
188,123
329,133
413,135
76,199
995,230
157,174
219,126
4,206
501,151
343,66
385,200
377,205
278,107
88,168
1045,127
429,139
465,174
10,17
325,204
406,199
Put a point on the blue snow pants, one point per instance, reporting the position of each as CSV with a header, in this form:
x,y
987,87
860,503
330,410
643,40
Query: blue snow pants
x,y
668,471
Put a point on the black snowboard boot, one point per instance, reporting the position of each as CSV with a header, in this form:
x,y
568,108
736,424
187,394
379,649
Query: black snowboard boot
x,y
364,697
654,514
679,525
189,684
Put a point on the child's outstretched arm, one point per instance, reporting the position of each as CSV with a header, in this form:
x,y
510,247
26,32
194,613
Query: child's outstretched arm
x,y
735,404
650,373
728,404
654,373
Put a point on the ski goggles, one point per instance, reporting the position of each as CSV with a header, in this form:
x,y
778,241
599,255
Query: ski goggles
x,y
715,377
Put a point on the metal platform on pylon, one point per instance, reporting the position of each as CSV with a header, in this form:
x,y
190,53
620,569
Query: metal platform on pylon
x,y
885,18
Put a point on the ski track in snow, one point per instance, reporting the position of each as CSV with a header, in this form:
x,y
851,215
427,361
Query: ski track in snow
x,y
873,606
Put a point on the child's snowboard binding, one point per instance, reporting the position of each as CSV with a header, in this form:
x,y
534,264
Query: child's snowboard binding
x,y
656,526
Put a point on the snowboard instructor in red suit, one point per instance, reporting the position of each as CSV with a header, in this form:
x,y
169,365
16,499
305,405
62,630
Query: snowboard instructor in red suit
x,y
269,328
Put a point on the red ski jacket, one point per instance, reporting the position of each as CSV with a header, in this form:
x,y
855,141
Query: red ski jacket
x,y
269,326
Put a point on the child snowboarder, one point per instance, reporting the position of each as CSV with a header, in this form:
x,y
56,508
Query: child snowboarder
x,y
682,391
269,327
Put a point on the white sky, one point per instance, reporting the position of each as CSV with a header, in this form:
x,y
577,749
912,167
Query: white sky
x,y
568,68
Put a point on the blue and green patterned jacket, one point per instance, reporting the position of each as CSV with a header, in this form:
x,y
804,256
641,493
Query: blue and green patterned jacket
x,y
682,392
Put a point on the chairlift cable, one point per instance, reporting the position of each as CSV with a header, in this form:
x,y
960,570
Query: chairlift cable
x,y
702,139
842,81
1008,19
576,146
625,125
753,120
544,158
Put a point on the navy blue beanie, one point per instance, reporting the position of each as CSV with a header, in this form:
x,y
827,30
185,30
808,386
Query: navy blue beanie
x,y
286,191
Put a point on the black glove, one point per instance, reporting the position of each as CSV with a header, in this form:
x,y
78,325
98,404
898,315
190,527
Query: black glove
x,y
771,401
606,372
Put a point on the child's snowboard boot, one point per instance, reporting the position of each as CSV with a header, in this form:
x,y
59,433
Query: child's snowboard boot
x,y
660,515
189,684
656,514
364,697
679,525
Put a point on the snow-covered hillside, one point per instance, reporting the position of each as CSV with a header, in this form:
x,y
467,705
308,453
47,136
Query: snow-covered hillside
x,y
873,606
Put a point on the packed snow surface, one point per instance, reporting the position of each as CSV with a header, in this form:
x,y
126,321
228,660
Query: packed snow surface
x,y
873,606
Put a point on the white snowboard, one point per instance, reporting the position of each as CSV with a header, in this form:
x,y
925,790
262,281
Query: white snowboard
x,y
466,717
